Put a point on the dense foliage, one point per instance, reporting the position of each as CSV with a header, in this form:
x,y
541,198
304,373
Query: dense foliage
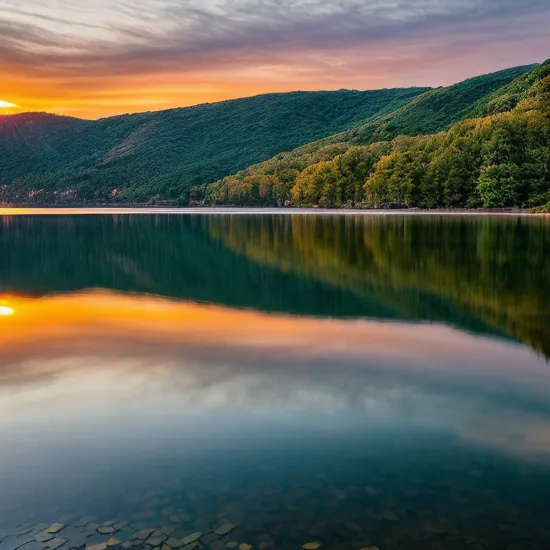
x,y
483,142
161,155
497,160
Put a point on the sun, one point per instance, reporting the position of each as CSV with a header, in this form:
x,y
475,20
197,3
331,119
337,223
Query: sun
x,y
6,104
6,311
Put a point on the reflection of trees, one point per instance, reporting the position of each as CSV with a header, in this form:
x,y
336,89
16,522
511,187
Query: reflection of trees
x,y
494,270
168,255
481,274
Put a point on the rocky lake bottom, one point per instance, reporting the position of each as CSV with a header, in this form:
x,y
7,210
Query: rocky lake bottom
x,y
411,492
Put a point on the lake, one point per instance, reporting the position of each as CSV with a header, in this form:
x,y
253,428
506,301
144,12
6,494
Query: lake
x,y
274,381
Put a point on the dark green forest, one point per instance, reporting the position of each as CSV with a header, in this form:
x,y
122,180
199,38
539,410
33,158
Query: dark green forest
x,y
481,143
161,155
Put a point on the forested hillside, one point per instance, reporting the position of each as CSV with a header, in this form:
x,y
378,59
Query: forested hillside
x,y
498,156
484,142
136,158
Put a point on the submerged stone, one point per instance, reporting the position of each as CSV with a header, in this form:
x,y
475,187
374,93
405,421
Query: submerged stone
x,y
312,545
75,536
191,538
224,529
38,528
44,537
56,543
82,522
156,541
106,530
143,534
209,539
33,546
164,531
174,543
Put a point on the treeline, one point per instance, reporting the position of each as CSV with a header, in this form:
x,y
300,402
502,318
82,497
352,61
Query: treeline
x,y
501,160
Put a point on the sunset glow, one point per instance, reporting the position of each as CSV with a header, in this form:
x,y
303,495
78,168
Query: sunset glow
x,y
6,104
93,59
6,311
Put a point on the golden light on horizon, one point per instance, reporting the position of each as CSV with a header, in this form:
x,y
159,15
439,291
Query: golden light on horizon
x,y
6,311
6,104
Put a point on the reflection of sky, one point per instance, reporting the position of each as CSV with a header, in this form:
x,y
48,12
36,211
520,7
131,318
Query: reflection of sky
x,y
102,366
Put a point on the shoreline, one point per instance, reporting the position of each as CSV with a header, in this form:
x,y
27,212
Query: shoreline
x,y
207,210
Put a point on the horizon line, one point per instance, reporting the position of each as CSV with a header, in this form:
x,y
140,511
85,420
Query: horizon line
x,y
335,90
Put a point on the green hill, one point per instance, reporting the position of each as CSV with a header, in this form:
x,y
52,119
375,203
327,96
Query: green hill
x,y
165,153
482,143
437,109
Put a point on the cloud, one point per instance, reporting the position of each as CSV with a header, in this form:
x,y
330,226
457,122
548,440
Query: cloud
x,y
103,350
272,44
157,28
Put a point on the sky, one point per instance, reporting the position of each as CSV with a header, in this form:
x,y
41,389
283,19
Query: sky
x,y
95,58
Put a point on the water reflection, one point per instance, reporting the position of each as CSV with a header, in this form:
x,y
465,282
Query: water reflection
x,y
98,349
383,383
483,274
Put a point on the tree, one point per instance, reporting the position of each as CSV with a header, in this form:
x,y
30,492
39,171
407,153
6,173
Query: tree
x,y
498,185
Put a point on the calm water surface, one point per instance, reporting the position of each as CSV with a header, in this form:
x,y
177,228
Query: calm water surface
x,y
345,381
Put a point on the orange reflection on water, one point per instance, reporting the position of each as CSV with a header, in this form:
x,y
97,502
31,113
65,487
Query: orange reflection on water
x,y
89,350
6,311
104,323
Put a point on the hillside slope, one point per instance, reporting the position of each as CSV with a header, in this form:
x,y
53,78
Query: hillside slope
x,y
164,153
437,109
497,154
